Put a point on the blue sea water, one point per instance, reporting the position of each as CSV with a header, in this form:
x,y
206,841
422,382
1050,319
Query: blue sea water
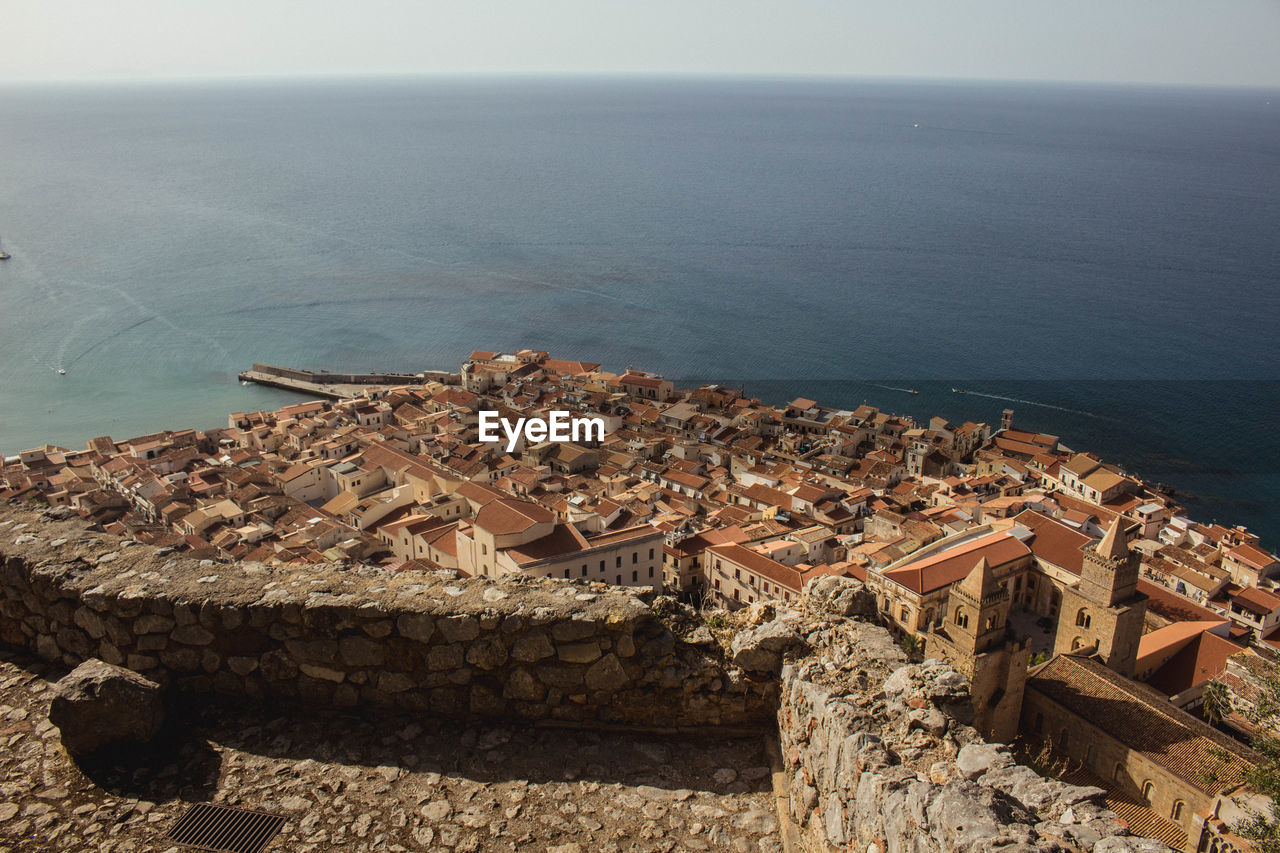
x,y
1105,256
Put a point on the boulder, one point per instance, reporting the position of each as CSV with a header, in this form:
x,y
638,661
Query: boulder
x,y
98,705
841,597
760,649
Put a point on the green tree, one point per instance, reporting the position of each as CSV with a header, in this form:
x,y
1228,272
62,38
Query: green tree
x,y
1262,827
1217,702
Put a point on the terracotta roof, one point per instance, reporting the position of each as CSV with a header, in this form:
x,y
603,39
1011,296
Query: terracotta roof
x,y
1255,600
1255,557
1143,720
1160,645
1054,541
563,540
760,564
1169,604
952,564
507,515
1201,660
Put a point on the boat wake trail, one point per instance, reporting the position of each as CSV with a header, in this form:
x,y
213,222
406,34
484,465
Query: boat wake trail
x,y
895,388
1041,405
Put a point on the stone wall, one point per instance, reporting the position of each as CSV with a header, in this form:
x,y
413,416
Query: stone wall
x,y
881,758
529,649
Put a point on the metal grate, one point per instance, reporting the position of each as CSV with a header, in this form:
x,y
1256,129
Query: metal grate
x,y
223,829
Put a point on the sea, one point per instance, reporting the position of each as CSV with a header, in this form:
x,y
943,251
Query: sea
x,y
1103,260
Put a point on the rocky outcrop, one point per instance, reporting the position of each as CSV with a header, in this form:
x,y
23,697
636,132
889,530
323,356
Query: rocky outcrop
x,y
343,635
98,705
881,758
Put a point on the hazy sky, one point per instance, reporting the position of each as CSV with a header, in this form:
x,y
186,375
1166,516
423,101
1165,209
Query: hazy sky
x,y
1160,41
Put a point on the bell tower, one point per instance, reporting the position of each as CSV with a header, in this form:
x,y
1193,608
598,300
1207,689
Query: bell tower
x,y
974,638
1104,611
978,609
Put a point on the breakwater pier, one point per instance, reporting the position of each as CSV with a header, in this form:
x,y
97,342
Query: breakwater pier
x,y
336,386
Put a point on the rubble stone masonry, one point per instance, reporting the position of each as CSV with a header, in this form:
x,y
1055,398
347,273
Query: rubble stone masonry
x,y
531,649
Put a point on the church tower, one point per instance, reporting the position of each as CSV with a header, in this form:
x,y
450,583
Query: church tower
x,y
974,638
979,608
1105,611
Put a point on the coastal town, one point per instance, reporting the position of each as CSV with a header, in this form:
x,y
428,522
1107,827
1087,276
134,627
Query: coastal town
x,y
1098,625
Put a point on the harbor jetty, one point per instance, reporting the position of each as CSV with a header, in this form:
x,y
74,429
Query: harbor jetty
x,y
337,386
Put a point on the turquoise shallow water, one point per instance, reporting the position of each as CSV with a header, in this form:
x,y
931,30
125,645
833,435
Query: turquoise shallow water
x,y
786,234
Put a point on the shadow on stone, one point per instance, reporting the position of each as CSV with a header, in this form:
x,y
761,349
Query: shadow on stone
x,y
177,763
491,752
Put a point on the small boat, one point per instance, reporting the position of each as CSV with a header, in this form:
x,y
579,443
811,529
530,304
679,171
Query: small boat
x,y
957,390
4,256
912,391
61,372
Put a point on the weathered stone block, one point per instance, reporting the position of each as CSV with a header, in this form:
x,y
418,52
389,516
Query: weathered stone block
x,y
394,682
533,646
242,665
181,660
573,629
357,651
152,624
191,635
98,705
606,674
521,684
312,651
488,653
459,629
444,657
323,673
91,622
578,652
416,626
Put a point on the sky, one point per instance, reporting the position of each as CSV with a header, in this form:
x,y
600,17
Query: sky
x,y
1205,42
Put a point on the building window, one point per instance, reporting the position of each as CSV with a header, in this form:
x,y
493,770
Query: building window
x,y
717,583
651,571
962,618
619,562
635,556
602,565
1083,619
737,574
584,570
484,549
566,574
635,576
736,597
1176,813
1148,789
619,580
650,553
1091,755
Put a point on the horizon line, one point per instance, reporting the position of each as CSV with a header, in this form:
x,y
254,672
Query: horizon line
x,y
108,78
